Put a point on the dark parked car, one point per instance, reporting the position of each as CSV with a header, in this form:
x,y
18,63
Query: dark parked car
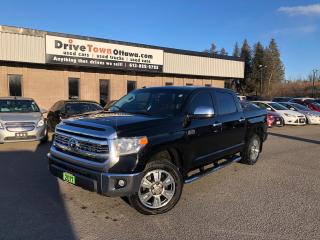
x,y
68,108
150,142
273,118
281,99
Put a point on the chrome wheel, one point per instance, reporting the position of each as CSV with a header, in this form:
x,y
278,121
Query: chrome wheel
x,y
157,188
255,149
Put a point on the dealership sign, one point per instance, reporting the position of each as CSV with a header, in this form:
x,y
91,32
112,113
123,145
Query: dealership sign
x,y
73,51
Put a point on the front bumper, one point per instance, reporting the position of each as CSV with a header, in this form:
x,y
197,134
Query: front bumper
x,y
295,121
313,119
34,135
100,182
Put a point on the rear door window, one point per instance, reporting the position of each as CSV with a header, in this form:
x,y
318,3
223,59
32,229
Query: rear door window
x,y
226,103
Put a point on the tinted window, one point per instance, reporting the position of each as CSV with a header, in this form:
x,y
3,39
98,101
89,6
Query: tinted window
x,y
262,105
201,99
79,108
277,106
21,106
73,88
15,85
169,83
151,102
104,92
131,85
226,103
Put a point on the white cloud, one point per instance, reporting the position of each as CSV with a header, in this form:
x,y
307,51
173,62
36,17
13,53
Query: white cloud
x,y
307,10
300,30
303,29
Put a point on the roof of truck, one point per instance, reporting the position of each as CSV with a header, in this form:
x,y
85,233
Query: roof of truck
x,y
16,98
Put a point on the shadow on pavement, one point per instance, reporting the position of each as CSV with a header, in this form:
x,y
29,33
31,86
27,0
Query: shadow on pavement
x,y
295,138
31,206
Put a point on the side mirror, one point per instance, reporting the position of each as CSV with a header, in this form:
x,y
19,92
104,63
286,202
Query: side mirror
x,y
202,113
269,109
292,109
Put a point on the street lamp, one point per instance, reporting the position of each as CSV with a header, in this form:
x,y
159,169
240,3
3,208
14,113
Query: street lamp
x,y
260,68
315,71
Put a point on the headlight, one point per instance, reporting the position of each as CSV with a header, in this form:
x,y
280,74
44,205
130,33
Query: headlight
x,y
126,146
1,126
40,123
289,115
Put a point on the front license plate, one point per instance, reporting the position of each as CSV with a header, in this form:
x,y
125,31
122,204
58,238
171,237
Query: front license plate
x,y
69,178
21,134
278,122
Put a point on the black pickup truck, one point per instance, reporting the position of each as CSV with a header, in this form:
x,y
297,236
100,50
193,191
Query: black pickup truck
x,y
153,140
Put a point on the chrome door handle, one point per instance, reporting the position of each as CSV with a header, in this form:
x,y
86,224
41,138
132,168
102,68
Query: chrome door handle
x,y
218,124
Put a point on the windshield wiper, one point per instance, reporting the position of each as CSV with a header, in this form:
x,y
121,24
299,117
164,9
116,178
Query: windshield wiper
x,y
142,113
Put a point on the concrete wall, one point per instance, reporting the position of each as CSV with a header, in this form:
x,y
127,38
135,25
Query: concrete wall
x,y
48,86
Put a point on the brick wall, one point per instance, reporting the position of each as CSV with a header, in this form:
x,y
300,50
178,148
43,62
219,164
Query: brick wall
x,y
47,86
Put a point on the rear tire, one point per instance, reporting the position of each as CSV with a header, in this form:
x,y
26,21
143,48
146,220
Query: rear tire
x,y
251,153
160,188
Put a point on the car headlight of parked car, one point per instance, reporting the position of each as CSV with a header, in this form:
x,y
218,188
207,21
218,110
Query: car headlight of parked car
x,y
40,123
126,146
289,115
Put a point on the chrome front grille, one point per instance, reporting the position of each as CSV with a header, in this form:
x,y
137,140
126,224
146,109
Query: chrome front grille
x,y
20,126
80,146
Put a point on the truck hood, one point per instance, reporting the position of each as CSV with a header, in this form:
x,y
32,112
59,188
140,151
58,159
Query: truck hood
x,y
20,117
118,121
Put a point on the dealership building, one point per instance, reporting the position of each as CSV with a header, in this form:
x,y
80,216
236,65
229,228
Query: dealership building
x,y
50,66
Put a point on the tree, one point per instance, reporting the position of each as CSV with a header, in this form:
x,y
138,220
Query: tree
x,y
246,56
258,67
223,51
236,50
212,50
275,71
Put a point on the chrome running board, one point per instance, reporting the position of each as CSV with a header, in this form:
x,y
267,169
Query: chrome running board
x,y
216,167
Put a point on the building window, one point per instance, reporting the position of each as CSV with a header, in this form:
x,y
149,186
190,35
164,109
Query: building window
x,y
15,85
189,84
104,92
168,83
207,85
131,85
74,88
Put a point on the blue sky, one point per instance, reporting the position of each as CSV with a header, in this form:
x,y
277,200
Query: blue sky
x,y
187,24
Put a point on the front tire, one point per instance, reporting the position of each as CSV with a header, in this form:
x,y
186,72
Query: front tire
x,y
160,188
251,153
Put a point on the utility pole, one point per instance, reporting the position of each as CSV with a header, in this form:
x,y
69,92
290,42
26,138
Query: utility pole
x,y
314,71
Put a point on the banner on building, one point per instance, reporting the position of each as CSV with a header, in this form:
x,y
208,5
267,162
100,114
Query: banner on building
x,y
74,51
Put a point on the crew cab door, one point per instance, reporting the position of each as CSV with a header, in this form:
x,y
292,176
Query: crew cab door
x,y
233,123
201,133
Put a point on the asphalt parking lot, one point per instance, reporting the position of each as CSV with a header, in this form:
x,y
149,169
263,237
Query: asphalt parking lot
x,y
278,198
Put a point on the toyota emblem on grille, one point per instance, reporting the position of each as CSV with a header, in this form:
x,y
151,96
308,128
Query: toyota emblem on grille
x,y
73,144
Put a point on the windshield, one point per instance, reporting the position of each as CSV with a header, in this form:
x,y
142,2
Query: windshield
x,y
300,107
13,105
278,106
155,102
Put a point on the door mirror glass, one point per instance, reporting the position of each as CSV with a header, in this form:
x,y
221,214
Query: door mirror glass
x,y
269,109
202,112
292,109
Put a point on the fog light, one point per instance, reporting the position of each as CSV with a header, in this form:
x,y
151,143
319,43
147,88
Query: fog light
x,y
121,183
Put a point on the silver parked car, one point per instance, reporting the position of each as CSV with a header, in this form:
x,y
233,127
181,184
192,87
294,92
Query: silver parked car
x,y
21,120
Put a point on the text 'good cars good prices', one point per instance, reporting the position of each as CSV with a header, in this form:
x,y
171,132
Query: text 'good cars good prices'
x,y
290,117
21,120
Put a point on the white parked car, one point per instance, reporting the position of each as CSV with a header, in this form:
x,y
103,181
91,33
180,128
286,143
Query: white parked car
x,y
313,117
290,117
